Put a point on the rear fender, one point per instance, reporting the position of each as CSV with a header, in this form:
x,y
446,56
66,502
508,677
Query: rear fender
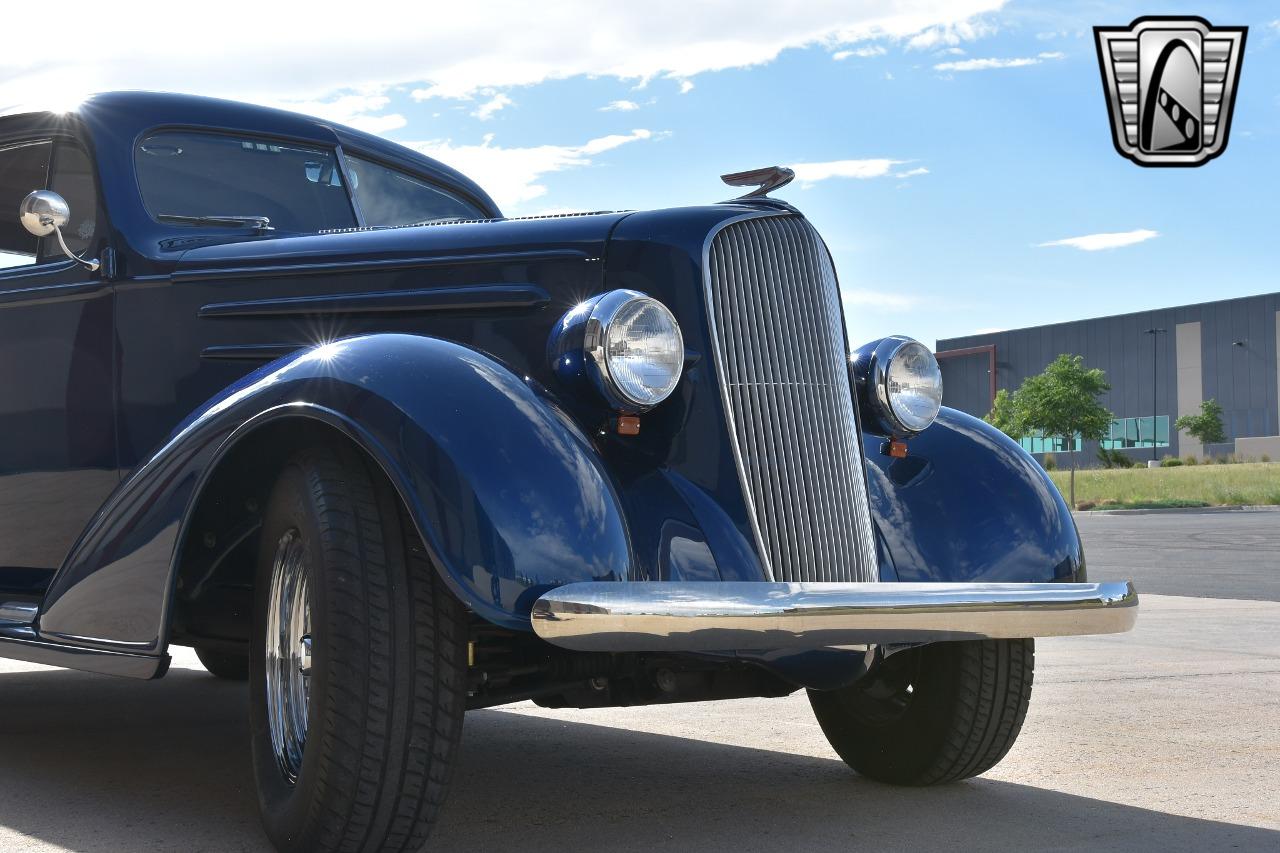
x,y
508,495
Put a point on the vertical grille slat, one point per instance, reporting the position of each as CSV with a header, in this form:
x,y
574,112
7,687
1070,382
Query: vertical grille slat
x,y
780,351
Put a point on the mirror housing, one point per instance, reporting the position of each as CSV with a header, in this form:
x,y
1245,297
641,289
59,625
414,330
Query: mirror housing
x,y
44,212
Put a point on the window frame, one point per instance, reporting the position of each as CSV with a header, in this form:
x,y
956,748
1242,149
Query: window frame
x,y
59,263
436,184
263,136
1111,442
1047,443
10,145
341,152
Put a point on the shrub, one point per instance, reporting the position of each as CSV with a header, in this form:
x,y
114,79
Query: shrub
x,y
1171,462
1114,459
1264,458
1190,460
1049,463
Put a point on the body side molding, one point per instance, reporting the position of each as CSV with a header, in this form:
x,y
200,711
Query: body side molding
x,y
331,267
486,297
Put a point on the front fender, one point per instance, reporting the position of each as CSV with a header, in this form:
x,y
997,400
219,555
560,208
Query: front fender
x,y
508,495
969,504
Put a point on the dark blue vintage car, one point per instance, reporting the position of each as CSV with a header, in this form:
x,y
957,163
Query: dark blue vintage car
x,y
304,400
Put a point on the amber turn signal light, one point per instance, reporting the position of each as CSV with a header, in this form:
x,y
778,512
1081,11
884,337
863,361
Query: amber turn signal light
x,y
626,425
897,448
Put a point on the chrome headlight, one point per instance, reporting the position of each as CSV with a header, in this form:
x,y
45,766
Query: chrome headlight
x,y
904,385
630,345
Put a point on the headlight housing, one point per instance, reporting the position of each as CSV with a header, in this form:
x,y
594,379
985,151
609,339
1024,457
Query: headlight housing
x,y
903,383
628,343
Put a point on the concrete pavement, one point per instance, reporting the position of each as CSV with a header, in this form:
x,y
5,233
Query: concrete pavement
x,y
1166,739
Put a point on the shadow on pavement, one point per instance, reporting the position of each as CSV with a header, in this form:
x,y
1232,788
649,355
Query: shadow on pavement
x,y
92,764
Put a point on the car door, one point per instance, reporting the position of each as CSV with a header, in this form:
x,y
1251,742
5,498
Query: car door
x,y
57,433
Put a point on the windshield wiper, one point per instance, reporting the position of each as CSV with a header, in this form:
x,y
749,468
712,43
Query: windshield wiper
x,y
262,223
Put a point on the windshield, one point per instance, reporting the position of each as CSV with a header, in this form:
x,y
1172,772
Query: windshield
x,y
190,178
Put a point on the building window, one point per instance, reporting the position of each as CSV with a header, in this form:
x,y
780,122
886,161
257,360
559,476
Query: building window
x,y
1137,432
1038,443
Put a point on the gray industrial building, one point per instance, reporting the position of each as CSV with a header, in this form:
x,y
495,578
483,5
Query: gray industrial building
x,y
1161,364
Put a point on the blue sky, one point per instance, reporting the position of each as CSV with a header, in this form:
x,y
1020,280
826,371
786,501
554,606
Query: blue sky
x,y
939,186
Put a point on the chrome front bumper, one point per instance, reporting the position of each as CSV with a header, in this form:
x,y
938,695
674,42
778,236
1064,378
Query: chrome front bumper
x,y
708,616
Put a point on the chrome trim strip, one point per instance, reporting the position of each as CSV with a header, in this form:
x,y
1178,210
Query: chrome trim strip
x,y
651,616
19,612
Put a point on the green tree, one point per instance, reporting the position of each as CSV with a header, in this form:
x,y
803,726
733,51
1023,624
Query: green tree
x,y
1205,427
1062,402
1004,415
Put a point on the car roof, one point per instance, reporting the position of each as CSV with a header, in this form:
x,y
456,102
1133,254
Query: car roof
x,y
115,117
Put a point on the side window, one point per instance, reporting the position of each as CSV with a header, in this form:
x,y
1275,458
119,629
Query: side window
x,y
23,168
197,179
73,179
390,197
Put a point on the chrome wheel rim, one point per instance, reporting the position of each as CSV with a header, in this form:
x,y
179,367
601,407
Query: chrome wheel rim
x,y
288,654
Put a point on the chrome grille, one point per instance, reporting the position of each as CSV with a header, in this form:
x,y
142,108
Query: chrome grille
x,y
778,335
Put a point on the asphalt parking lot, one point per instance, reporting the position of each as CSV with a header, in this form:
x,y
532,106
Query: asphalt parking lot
x,y
1232,554
1166,739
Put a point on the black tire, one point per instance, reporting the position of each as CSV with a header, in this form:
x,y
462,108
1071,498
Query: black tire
x,y
232,667
932,714
388,666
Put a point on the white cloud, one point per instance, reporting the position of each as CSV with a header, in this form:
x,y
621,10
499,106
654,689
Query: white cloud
x,y
951,34
288,52
809,174
862,52
953,51
985,64
1111,240
686,86
485,111
619,107
358,110
884,300
513,175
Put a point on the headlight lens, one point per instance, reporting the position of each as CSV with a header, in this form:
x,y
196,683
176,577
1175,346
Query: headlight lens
x,y
630,345
906,385
644,351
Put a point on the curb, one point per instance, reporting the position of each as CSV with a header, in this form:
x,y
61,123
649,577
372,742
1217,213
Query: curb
x,y
1084,513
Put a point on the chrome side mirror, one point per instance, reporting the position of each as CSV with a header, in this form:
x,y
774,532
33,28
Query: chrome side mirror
x,y
44,212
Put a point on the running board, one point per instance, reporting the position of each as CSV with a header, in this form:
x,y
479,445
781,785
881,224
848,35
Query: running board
x,y
23,643
710,616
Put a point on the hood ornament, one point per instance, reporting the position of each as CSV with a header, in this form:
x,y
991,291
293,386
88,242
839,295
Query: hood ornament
x,y
764,180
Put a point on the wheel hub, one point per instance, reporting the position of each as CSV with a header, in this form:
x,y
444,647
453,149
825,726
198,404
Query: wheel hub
x,y
288,654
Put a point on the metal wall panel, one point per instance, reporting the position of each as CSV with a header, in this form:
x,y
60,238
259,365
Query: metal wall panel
x,y
1239,362
966,383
